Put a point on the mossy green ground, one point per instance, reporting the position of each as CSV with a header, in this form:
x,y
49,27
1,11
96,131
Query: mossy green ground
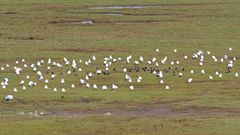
x,y
183,24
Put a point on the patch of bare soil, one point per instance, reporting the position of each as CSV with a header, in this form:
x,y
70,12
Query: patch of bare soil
x,y
119,7
147,111
126,14
10,12
155,5
89,22
26,38
65,21
139,21
140,112
193,110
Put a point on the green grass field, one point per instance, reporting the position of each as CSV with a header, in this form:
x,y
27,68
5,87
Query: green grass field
x,y
42,29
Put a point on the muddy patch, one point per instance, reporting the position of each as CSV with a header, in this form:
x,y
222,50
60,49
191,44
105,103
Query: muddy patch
x,y
10,13
154,6
146,111
134,14
143,21
83,22
141,112
118,7
207,110
85,100
26,38
148,14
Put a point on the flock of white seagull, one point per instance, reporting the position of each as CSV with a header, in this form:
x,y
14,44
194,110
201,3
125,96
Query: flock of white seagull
x,y
43,71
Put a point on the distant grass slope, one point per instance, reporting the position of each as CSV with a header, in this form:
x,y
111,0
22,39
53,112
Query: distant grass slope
x,y
26,32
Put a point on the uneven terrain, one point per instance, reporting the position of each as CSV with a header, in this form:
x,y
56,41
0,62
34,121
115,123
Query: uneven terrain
x,y
42,29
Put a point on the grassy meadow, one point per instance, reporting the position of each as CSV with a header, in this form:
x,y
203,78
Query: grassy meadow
x,y
42,29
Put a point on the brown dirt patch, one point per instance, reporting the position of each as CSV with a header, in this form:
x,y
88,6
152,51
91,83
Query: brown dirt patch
x,y
135,14
10,13
147,111
80,22
87,100
155,109
209,110
26,38
140,112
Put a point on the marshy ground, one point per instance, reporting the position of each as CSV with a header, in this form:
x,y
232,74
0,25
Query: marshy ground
x,y
43,29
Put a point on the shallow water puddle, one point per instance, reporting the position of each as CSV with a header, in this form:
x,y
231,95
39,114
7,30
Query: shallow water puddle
x,y
114,14
119,7
85,22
